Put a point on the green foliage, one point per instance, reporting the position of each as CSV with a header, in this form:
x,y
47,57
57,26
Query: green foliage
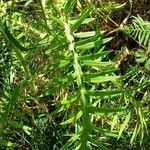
x,y
139,30
60,88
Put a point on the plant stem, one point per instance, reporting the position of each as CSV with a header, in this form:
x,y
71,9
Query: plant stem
x,y
83,99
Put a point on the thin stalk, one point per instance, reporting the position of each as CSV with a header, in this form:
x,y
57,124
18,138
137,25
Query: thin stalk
x,y
83,99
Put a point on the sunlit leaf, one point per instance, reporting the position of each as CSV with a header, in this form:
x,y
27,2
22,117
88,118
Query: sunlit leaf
x,y
72,139
70,100
125,123
84,34
93,56
8,143
16,124
73,119
104,94
105,131
105,111
98,144
135,133
96,63
102,79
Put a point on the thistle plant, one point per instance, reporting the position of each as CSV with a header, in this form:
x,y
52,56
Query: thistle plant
x,y
64,80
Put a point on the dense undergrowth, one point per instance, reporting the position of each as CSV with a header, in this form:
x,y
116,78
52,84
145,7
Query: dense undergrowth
x,y
74,75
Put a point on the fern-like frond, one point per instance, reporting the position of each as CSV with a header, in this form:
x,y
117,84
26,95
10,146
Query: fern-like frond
x,y
139,30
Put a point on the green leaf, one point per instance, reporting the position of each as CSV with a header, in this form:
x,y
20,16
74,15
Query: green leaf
x,y
106,132
70,100
124,124
14,96
102,79
147,64
8,143
60,47
46,41
106,40
48,92
104,111
135,133
89,43
21,115
61,64
98,144
104,94
64,79
86,21
57,84
64,57
142,121
69,7
58,65
93,56
114,121
97,74
84,34
139,30
84,15
78,146
72,139
60,109
13,41
17,48
59,21
96,63
73,119
16,124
